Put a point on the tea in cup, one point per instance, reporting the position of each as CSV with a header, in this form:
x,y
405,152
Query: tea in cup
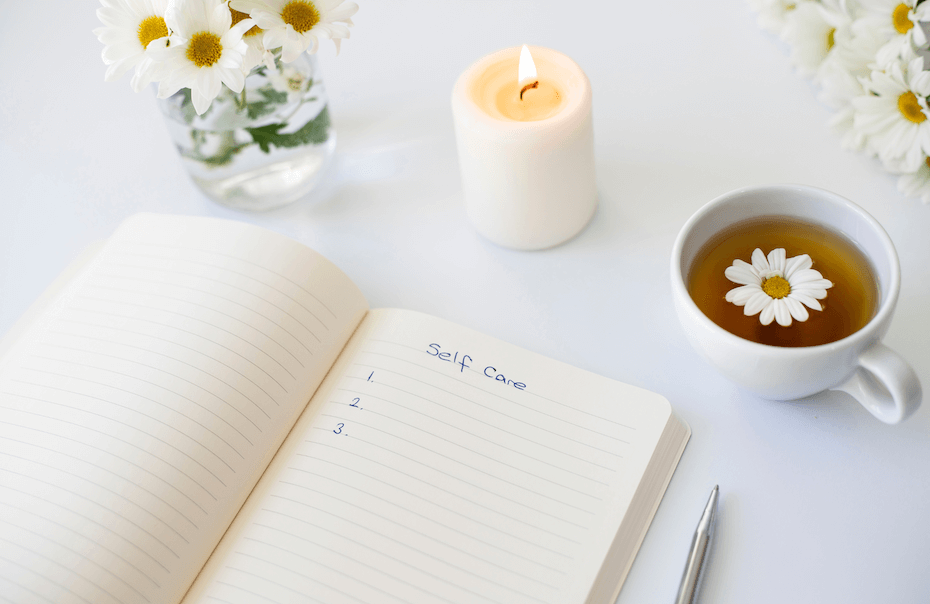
x,y
787,290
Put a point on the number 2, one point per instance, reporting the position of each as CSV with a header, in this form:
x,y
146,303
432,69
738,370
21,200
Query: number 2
x,y
355,402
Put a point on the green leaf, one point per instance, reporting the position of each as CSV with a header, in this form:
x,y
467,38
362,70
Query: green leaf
x,y
268,103
313,132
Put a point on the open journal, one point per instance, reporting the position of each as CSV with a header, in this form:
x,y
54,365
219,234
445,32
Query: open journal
x,y
205,411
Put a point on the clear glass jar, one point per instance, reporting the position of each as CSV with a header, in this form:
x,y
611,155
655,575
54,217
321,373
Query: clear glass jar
x,y
263,148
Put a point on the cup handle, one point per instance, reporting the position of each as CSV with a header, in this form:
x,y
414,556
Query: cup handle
x,y
884,384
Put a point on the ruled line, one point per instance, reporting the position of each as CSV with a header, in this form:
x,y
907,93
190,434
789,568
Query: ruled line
x,y
151,383
23,587
462,480
516,419
185,495
392,558
490,425
315,579
338,553
559,419
68,570
464,431
205,307
85,537
145,335
252,309
298,592
96,484
33,495
109,402
252,593
165,371
242,260
169,325
470,450
80,555
438,488
420,350
433,520
434,539
135,446
84,427
462,463
422,498
236,287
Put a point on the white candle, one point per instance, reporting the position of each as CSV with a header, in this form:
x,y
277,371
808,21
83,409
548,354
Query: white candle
x,y
527,163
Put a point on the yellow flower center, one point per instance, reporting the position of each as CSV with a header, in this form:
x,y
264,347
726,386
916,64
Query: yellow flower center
x,y
910,108
302,15
150,29
239,16
776,287
902,23
830,38
204,49
927,161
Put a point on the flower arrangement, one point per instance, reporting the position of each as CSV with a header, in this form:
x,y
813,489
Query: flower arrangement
x,y
868,58
204,45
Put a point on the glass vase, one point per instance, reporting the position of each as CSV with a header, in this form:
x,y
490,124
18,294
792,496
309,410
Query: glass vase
x,y
260,149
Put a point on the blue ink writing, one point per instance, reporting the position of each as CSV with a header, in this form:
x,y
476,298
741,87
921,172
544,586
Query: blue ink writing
x,y
339,428
491,372
435,350
369,375
355,403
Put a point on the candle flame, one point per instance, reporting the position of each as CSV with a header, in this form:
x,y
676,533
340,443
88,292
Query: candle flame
x,y
527,69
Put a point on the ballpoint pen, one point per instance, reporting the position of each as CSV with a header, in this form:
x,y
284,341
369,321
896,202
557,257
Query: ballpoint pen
x,y
700,545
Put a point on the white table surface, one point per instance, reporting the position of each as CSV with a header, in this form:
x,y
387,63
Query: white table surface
x,y
819,501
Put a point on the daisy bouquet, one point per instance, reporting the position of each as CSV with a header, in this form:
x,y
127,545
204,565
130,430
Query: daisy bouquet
x,y
203,45
235,74
870,60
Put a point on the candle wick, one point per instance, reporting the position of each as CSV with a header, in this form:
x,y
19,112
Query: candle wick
x,y
535,84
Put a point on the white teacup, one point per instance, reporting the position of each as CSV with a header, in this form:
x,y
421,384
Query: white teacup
x,y
858,364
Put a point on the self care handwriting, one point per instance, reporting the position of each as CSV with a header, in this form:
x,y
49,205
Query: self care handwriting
x,y
462,361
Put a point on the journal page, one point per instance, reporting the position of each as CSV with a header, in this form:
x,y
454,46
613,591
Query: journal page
x,y
140,407
436,464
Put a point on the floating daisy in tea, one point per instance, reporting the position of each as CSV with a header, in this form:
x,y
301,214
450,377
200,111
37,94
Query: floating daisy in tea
x,y
776,287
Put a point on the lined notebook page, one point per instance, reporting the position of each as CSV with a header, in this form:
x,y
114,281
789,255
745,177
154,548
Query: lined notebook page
x,y
142,406
439,465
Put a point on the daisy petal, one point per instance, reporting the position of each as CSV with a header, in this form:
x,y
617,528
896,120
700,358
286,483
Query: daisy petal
x,y
756,303
768,313
796,309
740,295
759,262
818,284
796,264
782,314
776,260
743,275
805,275
806,299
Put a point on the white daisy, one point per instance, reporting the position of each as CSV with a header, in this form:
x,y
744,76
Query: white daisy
x,y
130,26
893,113
811,31
256,52
206,51
917,184
896,21
777,287
296,26
291,81
771,14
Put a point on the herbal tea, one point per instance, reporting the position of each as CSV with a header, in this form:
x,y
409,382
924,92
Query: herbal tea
x,y
850,303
